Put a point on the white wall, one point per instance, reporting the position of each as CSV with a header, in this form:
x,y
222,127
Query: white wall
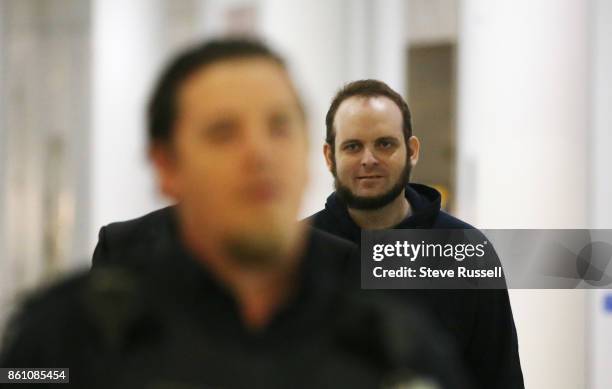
x,y
126,54
522,154
317,57
43,128
5,286
599,334
431,21
329,43
131,43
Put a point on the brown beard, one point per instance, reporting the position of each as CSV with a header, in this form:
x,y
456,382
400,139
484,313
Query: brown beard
x,y
371,202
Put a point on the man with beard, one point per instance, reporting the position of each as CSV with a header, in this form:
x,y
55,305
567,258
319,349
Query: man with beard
x,y
226,289
370,150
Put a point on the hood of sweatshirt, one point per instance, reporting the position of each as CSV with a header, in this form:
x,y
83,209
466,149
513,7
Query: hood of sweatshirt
x,y
424,203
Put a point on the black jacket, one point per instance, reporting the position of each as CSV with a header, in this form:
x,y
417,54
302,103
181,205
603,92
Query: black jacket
x,y
136,240
149,314
481,322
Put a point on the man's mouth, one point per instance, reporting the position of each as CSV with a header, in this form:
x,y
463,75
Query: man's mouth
x,y
262,191
369,177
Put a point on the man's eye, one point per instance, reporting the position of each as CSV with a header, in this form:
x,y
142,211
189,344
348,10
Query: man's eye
x,y
220,132
351,147
280,125
385,144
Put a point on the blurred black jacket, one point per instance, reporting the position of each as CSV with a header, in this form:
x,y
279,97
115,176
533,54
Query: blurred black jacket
x,y
148,315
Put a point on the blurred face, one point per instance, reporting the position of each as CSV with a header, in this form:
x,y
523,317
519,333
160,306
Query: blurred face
x,y
237,164
370,162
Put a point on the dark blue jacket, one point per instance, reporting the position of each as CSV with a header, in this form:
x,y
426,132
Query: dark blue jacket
x,y
480,321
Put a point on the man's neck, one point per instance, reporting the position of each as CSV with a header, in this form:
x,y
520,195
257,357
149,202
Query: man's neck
x,y
385,217
259,293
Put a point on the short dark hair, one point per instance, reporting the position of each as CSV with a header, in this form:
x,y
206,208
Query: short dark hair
x,y
161,113
366,88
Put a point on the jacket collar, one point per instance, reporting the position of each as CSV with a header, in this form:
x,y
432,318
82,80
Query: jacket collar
x,y
424,203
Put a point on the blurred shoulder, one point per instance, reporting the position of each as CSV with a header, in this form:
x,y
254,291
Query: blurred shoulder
x,y
331,242
138,238
52,323
149,223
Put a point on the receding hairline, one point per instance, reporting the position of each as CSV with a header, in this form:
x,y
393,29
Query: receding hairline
x,y
365,99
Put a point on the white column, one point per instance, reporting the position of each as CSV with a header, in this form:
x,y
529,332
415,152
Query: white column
x,y
523,79
600,318
390,47
126,54
312,36
329,43
601,113
43,123
6,285
522,153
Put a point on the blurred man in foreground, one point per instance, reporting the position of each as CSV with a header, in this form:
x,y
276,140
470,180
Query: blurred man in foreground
x,y
370,150
226,289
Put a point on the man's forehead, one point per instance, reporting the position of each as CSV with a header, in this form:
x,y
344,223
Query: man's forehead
x,y
231,73
368,116
256,79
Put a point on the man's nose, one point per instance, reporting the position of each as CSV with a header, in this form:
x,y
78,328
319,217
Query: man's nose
x,y
258,147
368,158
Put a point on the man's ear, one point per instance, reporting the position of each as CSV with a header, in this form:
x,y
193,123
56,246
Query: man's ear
x,y
329,156
164,164
414,145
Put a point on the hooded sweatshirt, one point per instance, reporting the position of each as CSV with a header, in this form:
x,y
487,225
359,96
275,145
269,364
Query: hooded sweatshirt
x,y
480,321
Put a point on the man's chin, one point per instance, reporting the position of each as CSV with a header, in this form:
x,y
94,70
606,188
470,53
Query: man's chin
x,y
368,202
255,252
262,246
369,194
